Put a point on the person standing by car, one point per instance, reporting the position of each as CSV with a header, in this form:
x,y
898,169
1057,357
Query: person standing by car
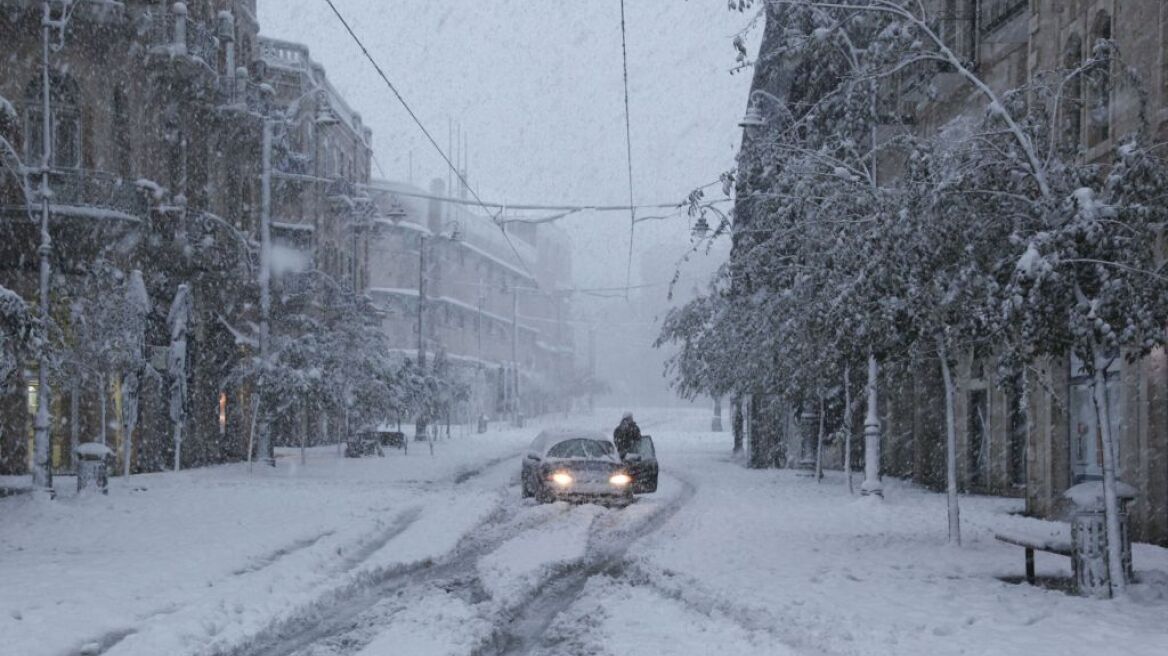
x,y
627,435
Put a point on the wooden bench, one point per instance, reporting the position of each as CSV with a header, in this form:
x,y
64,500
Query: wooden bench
x,y
1055,544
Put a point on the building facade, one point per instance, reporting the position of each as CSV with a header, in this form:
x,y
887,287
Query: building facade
x,y
1031,438
493,304
158,114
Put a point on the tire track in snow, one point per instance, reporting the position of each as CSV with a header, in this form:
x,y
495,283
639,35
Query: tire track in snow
x,y
332,617
522,628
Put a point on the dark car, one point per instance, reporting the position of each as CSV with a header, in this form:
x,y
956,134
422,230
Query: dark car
x,y
578,466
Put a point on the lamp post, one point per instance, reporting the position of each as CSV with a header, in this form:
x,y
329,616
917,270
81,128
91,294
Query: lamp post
x,y
324,117
42,470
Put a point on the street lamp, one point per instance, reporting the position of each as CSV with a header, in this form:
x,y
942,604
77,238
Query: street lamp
x,y
754,117
323,117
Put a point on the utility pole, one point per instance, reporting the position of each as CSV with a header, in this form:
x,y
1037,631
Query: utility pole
x,y
42,469
591,368
420,427
515,354
264,447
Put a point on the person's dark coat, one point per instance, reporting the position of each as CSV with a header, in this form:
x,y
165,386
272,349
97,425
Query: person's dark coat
x,y
626,436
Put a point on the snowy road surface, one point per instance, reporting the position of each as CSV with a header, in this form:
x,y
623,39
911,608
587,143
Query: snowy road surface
x,y
438,555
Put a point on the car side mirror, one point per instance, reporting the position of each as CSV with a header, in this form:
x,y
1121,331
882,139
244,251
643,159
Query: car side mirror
x,y
533,457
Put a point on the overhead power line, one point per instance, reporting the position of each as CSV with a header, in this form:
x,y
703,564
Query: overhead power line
x,y
567,208
426,132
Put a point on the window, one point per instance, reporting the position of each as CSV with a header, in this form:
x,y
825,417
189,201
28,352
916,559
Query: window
x,y
959,28
1086,440
65,147
1099,108
1019,429
993,14
978,445
1072,101
121,134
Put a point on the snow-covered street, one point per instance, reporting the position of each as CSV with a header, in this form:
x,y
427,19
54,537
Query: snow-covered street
x,y
424,555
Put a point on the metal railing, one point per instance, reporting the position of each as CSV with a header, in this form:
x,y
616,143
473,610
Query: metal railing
x,y
98,190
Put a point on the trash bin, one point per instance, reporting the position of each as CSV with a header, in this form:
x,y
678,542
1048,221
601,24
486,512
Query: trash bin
x,y
1089,537
92,461
482,423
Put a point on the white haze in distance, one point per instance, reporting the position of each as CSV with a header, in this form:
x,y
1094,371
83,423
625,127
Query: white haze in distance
x,y
537,89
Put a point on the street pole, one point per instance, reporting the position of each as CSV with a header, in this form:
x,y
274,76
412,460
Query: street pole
x,y
515,353
420,427
42,470
591,369
872,485
264,449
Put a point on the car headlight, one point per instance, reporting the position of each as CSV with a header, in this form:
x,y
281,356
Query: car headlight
x,y
620,480
563,479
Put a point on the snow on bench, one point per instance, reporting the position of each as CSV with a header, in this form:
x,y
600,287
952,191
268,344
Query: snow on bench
x,y
1056,541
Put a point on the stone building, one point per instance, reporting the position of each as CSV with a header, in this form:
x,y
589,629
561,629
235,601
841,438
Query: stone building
x,y
1006,446
490,305
158,115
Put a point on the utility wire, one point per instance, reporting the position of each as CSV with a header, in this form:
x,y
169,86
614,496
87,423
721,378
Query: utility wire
x,y
430,137
628,149
532,206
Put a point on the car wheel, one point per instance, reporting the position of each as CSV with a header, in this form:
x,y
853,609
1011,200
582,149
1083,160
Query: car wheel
x,y
524,489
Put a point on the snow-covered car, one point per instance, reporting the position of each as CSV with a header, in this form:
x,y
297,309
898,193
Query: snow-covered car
x,y
576,466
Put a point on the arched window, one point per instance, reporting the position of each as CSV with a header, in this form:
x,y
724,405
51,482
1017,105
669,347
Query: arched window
x,y
65,144
1099,103
1072,100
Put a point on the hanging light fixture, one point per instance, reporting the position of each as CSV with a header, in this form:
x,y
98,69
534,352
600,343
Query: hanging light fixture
x,y
701,228
753,117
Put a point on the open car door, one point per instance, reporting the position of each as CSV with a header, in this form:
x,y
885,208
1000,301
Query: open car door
x,y
641,462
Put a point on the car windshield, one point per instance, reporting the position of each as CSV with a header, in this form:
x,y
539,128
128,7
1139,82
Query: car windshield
x,y
581,448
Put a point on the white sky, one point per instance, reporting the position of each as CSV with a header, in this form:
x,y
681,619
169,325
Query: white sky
x,y
536,86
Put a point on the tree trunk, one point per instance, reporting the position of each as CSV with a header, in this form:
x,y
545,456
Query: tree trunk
x,y
819,443
255,411
736,421
950,445
74,412
178,438
303,437
848,426
872,485
103,395
1110,496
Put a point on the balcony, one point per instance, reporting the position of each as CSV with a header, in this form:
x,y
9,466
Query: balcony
x,y
86,193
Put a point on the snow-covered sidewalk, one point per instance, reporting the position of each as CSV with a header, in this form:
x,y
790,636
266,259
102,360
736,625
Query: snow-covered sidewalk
x,y
178,563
